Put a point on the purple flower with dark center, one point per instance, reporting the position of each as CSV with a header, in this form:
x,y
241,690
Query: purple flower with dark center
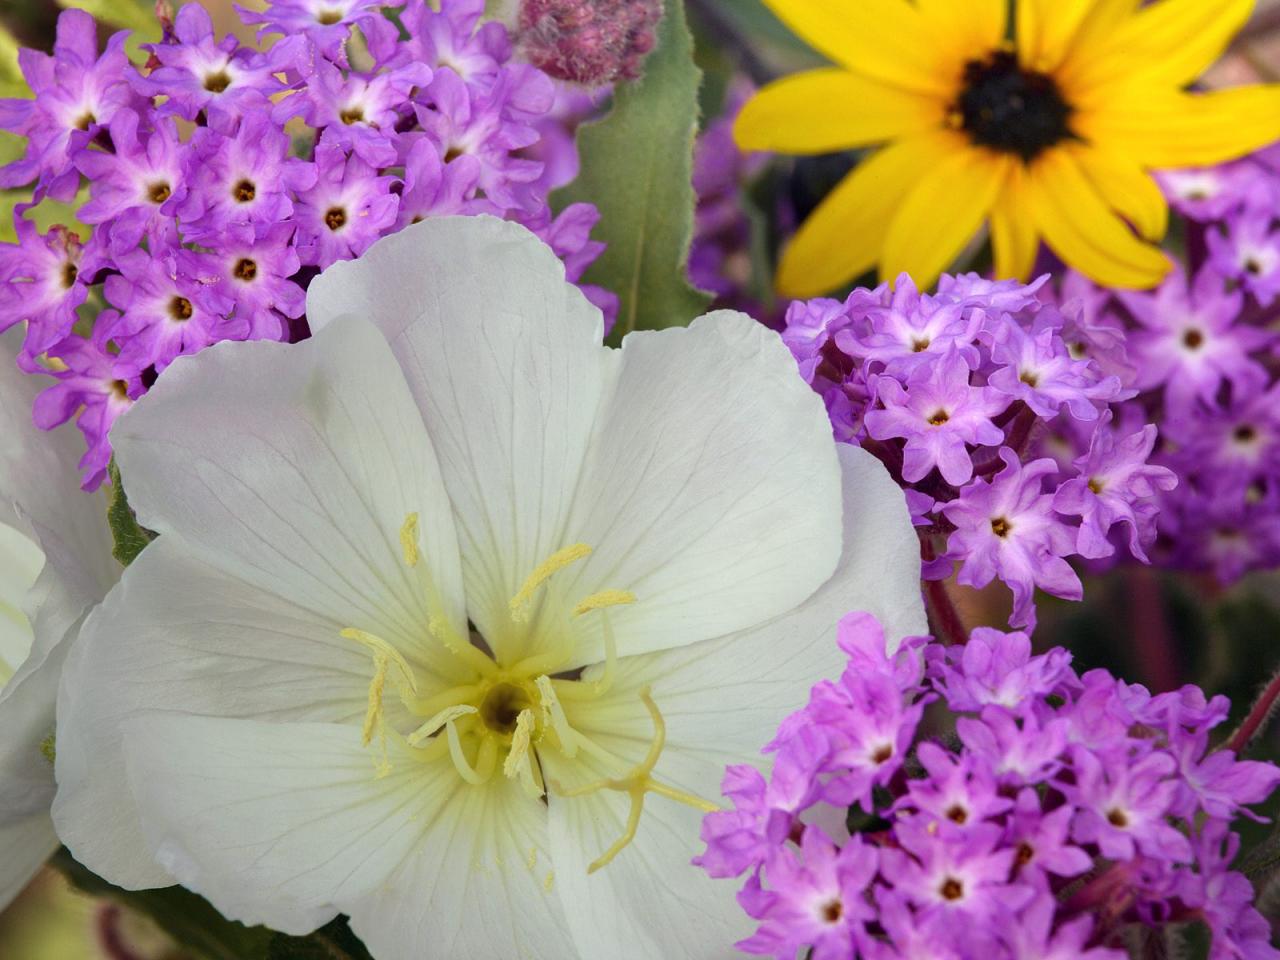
x,y
75,94
89,384
347,209
938,414
1115,477
254,275
433,188
41,282
1006,528
356,113
956,793
1249,252
817,899
1229,449
1042,841
1122,804
912,330
1206,194
1036,368
463,123
1229,535
1019,747
166,312
997,668
327,23
1034,936
1190,343
137,186
197,72
241,183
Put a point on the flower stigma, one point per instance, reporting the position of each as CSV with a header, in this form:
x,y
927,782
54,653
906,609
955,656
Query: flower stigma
x,y
504,716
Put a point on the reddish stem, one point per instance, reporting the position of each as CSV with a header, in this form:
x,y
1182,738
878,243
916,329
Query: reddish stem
x,y
945,621
1258,715
1150,630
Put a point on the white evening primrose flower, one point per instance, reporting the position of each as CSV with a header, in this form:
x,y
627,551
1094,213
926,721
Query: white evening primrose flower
x,y
55,563
456,616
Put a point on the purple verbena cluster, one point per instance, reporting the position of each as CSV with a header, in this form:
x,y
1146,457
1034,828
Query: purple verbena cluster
x,y
217,180
952,391
1033,812
1201,354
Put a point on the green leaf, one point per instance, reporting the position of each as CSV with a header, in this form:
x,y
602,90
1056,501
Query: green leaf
x,y
136,15
333,941
129,538
12,83
187,918
637,167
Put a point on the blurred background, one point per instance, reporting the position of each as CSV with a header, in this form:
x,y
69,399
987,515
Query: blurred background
x,y
1156,629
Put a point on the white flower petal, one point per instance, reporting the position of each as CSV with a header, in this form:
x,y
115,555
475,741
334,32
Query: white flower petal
x,y
20,564
504,358
721,701
479,885
179,635
711,488
25,845
295,467
278,823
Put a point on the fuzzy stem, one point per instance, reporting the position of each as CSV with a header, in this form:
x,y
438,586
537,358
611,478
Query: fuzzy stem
x,y
1150,629
1258,716
945,621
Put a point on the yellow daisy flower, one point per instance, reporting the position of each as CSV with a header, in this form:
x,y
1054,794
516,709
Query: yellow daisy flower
x,y
1050,136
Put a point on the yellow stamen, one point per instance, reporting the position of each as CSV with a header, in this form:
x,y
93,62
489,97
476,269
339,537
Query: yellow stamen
x,y
545,570
519,762
605,598
378,646
591,690
553,716
409,540
486,758
470,655
434,725
637,783
373,713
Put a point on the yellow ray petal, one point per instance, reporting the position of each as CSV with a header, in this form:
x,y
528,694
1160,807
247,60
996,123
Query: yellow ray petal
x,y
1126,188
1084,232
963,31
1161,130
844,236
942,213
1173,41
880,38
1014,239
1046,30
821,111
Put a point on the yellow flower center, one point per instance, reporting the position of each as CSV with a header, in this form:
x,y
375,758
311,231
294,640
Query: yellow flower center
x,y
506,715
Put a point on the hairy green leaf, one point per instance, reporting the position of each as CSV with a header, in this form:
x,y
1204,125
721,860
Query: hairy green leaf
x,y
128,536
187,918
637,167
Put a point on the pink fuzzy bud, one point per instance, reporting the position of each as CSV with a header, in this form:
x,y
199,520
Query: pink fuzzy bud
x,y
591,42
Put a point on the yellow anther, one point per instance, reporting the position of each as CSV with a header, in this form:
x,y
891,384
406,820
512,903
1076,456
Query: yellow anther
x,y
384,657
379,647
409,539
553,716
544,572
521,744
437,722
638,783
486,757
373,713
603,599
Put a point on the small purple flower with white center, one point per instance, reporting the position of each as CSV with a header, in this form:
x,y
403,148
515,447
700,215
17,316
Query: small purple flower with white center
x,y
997,668
462,123
817,899
241,183
956,793
1122,804
41,283
433,188
166,312
1249,252
76,93
88,384
1206,194
138,186
327,23
255,276
1042,841
1190,343
347,209
1219,783
939,414
1034,366
1006,528
912,330
1020,747
1115,478
199,73
356,113
964,877
452,38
